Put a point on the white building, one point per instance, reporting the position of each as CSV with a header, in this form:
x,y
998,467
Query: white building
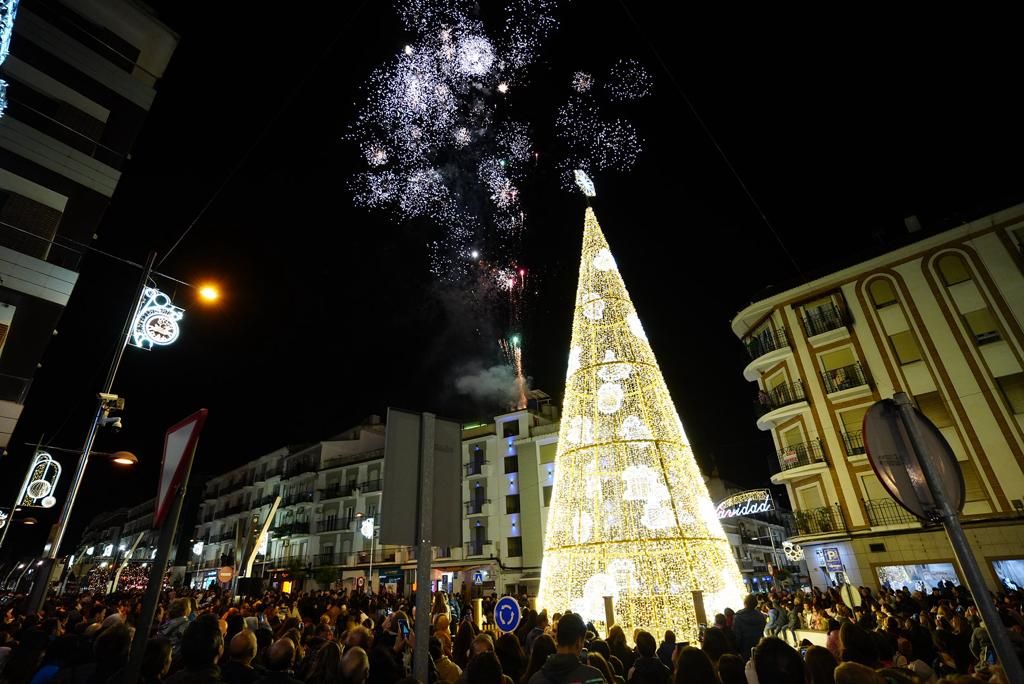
x,y
940,319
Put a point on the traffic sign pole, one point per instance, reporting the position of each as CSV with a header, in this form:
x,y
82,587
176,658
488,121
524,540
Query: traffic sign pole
x,y
961,548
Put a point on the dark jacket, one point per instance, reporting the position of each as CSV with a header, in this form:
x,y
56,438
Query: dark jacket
x,y
649,671
665,653
748,628
625,655
207,675
284,677
236,673
531,637
563,668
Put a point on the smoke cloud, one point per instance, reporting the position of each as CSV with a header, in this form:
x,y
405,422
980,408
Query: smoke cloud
x,y
493,385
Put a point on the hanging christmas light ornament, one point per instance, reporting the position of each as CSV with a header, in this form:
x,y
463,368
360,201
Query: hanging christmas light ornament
x,y
630,515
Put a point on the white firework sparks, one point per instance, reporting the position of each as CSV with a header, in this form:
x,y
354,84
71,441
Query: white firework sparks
x,y
629,80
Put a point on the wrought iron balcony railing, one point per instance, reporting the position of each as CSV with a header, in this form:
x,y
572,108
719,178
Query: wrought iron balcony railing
x,y
766,341
804,453
844,378
854,443
819,520
782,395
887,512
823,320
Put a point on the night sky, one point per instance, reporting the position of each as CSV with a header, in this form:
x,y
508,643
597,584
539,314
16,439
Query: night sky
x,y
840,127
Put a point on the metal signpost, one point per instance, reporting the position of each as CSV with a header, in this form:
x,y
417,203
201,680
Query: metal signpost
x,y
918,468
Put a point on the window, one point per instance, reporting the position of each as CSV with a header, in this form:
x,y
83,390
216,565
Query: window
x,y
510,428
810,498
840,358
547,495
512,503
775,381
511,464
371,510
953,269
974,490
792,436
1012,387
853,421
905,347
931,405
515,547
882,293
983,326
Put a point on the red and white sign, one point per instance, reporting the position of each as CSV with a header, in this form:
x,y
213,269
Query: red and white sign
x,y
179,447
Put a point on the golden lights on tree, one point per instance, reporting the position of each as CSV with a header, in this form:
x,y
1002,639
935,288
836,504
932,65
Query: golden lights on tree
x,y
630,515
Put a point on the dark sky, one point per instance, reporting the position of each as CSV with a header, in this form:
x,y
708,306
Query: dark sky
x,y
840,126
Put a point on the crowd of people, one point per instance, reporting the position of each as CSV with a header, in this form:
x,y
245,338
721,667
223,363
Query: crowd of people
x,y
336,637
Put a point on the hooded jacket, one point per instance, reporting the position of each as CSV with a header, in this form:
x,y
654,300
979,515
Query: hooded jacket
x,y
564,668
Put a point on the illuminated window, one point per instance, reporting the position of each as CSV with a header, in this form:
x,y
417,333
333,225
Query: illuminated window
x,y
515,547
974,490
953,269
882,293
905,347
983,326
1012,387
934,408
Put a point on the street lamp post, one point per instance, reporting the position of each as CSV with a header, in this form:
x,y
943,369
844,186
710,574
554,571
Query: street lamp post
x,y
366,528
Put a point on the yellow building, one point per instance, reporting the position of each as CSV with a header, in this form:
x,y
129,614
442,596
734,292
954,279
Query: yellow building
x,y
940,319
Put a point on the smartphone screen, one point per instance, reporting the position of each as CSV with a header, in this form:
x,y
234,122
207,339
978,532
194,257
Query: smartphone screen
x,y
403,628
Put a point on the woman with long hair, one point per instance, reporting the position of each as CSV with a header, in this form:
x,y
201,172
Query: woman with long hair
x,y
326,665
695,667
543,646
443,632
511,656
597,660
621,650
820,665
463,640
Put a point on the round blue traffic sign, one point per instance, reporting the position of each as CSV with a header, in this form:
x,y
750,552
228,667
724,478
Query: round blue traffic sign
x,y
507,614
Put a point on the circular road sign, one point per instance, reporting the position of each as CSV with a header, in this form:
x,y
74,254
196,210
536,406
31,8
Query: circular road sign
x,y
225,574
507,614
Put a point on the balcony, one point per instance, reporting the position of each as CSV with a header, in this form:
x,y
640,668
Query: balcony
x,y
370,486
476,467
477,507
822,520
292,528
299,468
884,512
765,350
336,491
297,498
824,320
265,501
854,443
779,403
477,548
802,454
845,378
333,524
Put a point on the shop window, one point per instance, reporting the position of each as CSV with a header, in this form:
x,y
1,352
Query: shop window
x,y
515,547
882,293
934,408
953,269
983,326
905,347
1012,387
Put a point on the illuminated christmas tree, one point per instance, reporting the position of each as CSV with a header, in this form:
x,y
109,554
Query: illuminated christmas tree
x,y
630,515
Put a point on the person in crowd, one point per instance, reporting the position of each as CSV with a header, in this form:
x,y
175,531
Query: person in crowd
x,y
355,666
280,661
443,631
177,621
326,667
775,661
621,650
156,661
730,669
485,668
597,661
855,673
463,640
540,628
668,645
857,646
647,668
202,645
695,667
748,626
564,667
820,665
447,671
715,644
511,656
543,646
238,669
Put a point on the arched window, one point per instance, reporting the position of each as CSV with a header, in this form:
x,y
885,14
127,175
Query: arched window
x,y
953,269
882,292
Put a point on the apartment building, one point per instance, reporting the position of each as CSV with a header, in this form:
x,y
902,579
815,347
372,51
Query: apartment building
x,y
80,79
939,319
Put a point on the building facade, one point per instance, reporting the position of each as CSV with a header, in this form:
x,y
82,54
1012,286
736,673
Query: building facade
x,y
940,319
81,78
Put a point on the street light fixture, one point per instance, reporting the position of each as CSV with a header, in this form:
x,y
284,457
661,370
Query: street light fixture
x,y
209,293
125,458
366,528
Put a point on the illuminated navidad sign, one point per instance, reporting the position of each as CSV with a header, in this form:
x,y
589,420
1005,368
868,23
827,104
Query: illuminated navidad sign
x,y
745,503
40,482
156,321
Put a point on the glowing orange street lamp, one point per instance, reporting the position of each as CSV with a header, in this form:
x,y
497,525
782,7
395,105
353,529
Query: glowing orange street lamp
x,y
209,293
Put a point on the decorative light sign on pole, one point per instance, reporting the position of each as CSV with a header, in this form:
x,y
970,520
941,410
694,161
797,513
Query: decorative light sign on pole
x,y
8,10
745,503
40,482
156,321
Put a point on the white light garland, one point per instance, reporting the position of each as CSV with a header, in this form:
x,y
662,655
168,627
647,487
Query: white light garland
x,y
593,306
609,398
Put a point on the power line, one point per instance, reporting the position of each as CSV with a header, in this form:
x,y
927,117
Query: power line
x,y
711,137
286,103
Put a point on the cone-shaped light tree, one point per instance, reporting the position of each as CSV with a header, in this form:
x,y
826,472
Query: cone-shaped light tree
x,y
630,515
